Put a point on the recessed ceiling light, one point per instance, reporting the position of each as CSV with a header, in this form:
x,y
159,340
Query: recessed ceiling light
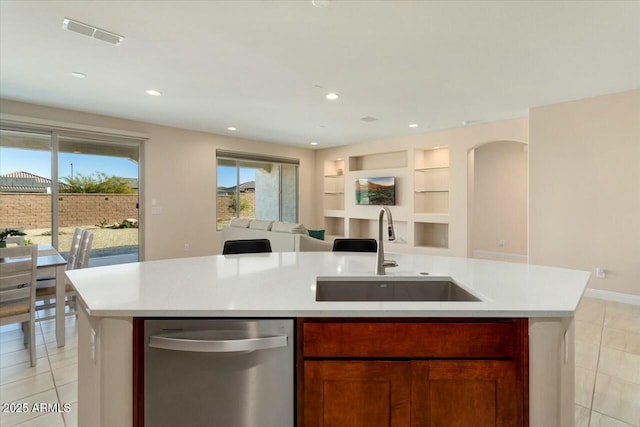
x,y
413,125
313,143
153,92
332,96
231,128
78,74
339,158
436,148
320,4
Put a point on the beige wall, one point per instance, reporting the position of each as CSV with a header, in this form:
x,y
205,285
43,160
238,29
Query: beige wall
x,y
179,172
459,141
499,198
584,186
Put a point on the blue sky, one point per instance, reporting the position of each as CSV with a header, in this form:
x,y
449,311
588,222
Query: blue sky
x,y
227,176
39,163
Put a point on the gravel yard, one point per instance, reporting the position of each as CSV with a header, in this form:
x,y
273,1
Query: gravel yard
x,y
102,237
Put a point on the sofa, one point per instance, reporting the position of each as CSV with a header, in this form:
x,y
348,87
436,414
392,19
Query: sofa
x,y
283,236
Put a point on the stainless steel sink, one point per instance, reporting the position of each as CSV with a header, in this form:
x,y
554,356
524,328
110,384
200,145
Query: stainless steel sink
x,y
391,289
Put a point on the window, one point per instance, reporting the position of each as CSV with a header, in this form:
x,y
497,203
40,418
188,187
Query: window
x,y
256,187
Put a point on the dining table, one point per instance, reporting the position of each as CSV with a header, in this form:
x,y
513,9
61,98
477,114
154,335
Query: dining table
x,y
51,263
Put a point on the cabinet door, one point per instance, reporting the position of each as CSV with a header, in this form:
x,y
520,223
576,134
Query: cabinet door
x,y
357,394
460,393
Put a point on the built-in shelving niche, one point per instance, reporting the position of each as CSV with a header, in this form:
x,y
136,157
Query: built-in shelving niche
x,y
362,228
333,185
431,181
333,193
395,159
334,226
431,235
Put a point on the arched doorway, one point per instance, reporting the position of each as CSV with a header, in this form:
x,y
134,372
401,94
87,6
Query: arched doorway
x,y
497,201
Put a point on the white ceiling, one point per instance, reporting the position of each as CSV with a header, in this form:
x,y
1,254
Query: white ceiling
x,y
255,65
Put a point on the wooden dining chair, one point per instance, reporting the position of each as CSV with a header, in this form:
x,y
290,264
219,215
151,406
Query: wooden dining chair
x,y
355,245
246,246
79,255
17,291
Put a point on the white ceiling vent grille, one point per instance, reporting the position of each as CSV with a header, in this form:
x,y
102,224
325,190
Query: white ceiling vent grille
x,y
91,31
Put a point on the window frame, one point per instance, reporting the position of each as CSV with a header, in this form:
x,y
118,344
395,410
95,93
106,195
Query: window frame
x,y
238,157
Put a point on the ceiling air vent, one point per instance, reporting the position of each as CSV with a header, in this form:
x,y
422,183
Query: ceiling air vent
x,y
91,31
368,119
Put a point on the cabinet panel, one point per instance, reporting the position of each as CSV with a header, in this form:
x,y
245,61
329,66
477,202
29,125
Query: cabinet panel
x,y
418,340
466,393
356,394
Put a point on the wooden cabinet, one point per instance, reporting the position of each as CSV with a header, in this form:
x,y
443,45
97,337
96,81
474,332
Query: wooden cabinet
x,y
357,394
475,393
412,373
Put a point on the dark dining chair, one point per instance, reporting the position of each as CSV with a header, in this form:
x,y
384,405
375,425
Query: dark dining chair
x,y
355,245
246,246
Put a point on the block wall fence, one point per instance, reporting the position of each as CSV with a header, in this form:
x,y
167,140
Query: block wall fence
x,y
34,210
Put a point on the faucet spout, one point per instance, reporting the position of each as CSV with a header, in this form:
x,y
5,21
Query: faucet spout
x,y
391,235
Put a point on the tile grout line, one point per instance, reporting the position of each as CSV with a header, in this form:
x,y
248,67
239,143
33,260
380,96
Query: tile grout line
x,y
595,377
53,378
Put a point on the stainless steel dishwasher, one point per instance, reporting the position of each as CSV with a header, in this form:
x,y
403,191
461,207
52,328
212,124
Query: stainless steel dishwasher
x,y
219,373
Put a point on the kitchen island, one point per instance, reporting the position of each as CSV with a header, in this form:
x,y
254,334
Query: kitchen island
x,y
283,285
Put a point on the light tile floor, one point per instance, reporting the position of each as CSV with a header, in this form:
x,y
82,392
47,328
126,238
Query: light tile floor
x,y
54,379
607,369
607,364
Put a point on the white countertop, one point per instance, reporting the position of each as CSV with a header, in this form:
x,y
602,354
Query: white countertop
x,y
283,285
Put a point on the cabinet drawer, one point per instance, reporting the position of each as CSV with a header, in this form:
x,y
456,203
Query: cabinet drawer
x,y
410,340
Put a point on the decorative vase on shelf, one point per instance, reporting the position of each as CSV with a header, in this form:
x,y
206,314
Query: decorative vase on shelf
x,y
339,172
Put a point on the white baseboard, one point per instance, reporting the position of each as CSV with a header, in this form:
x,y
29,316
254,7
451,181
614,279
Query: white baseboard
x,y
612,296
499,255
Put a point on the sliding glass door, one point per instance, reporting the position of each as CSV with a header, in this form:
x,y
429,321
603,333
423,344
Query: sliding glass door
x,y
52,182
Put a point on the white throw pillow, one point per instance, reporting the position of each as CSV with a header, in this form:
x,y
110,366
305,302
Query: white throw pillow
x,y
287,227
240,223
261,224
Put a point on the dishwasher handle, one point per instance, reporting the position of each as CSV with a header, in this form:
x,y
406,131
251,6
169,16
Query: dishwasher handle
x,y
195,342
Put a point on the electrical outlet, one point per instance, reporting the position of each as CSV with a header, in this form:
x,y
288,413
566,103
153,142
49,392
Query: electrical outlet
x,y
187,247
601,273
502,242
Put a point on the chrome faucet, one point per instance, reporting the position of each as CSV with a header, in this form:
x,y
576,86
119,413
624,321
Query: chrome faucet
x,y
380,262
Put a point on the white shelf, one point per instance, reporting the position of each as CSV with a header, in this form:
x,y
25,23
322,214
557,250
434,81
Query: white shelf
x,y
432,169
431,218
334,213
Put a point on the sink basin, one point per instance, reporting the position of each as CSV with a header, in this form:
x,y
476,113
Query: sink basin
x,y
391,289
